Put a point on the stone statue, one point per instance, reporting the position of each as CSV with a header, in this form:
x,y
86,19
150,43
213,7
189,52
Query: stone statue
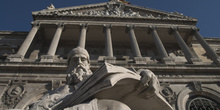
x,y
51,7
109,88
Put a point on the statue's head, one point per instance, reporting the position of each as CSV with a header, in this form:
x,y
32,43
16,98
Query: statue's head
x,y
78,66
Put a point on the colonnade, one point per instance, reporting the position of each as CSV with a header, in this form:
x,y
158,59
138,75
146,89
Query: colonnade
x,y
191,58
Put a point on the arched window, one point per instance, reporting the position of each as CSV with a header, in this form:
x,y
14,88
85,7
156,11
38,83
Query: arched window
x,y
202,103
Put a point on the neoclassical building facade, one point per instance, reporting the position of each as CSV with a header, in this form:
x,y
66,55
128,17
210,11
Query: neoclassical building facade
x,y
169,44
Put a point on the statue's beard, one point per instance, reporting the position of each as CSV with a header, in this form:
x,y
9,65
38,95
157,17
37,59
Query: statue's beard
x,y
78,74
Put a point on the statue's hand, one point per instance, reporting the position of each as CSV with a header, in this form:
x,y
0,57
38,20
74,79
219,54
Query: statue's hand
x,y
146,77
149,79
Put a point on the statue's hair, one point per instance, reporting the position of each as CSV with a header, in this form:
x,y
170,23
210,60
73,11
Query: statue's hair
x,y
78,50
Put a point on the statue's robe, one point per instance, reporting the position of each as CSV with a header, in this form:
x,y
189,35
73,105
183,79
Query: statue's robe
x,y
117,84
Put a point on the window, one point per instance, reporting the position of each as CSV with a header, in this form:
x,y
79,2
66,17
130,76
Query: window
x,y
202,103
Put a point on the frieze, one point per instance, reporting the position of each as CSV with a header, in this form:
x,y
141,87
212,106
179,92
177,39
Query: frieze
x,y
115,11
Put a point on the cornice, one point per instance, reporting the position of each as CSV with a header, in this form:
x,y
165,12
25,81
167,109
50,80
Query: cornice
x,y
115,19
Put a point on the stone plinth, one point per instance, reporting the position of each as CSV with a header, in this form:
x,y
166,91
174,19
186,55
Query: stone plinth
x,y
168,60
15,58
110,59
47,58
196,61
140,60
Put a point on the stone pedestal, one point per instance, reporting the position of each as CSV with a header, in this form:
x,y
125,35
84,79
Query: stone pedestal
x,y
140,60
15,58
110,59
195,61
47,58
168,60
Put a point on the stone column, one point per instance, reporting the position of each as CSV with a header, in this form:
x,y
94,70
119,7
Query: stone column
x,y
55,41
108,41
160,47
188,54
108,45
53,45
207,48
26,44
134,46
82,38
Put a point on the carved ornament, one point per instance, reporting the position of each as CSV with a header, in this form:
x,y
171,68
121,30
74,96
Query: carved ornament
x,y
116,11
168,93
14,94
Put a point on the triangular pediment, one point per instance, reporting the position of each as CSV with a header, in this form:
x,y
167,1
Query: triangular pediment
x,y
113,9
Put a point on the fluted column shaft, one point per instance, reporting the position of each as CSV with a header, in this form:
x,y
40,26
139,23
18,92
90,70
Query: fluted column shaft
x,y
108,42
82,38
207,48
27,42
183,46
134,44
55,41
159,44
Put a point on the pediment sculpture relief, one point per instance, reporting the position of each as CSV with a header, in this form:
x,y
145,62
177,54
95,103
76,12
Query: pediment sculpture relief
x,y
115,10
109,88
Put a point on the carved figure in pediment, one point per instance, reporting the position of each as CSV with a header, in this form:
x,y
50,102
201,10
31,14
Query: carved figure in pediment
x,y
85,90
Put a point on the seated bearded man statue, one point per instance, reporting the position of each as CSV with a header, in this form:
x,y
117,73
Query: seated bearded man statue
x,y
78,71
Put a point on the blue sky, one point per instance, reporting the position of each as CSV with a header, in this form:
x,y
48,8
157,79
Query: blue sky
x,y
15,15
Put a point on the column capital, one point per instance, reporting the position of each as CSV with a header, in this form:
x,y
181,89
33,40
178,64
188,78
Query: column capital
x,y
107,25
173,29
60,25
194,30
35,24
151,28
129,27
83,25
